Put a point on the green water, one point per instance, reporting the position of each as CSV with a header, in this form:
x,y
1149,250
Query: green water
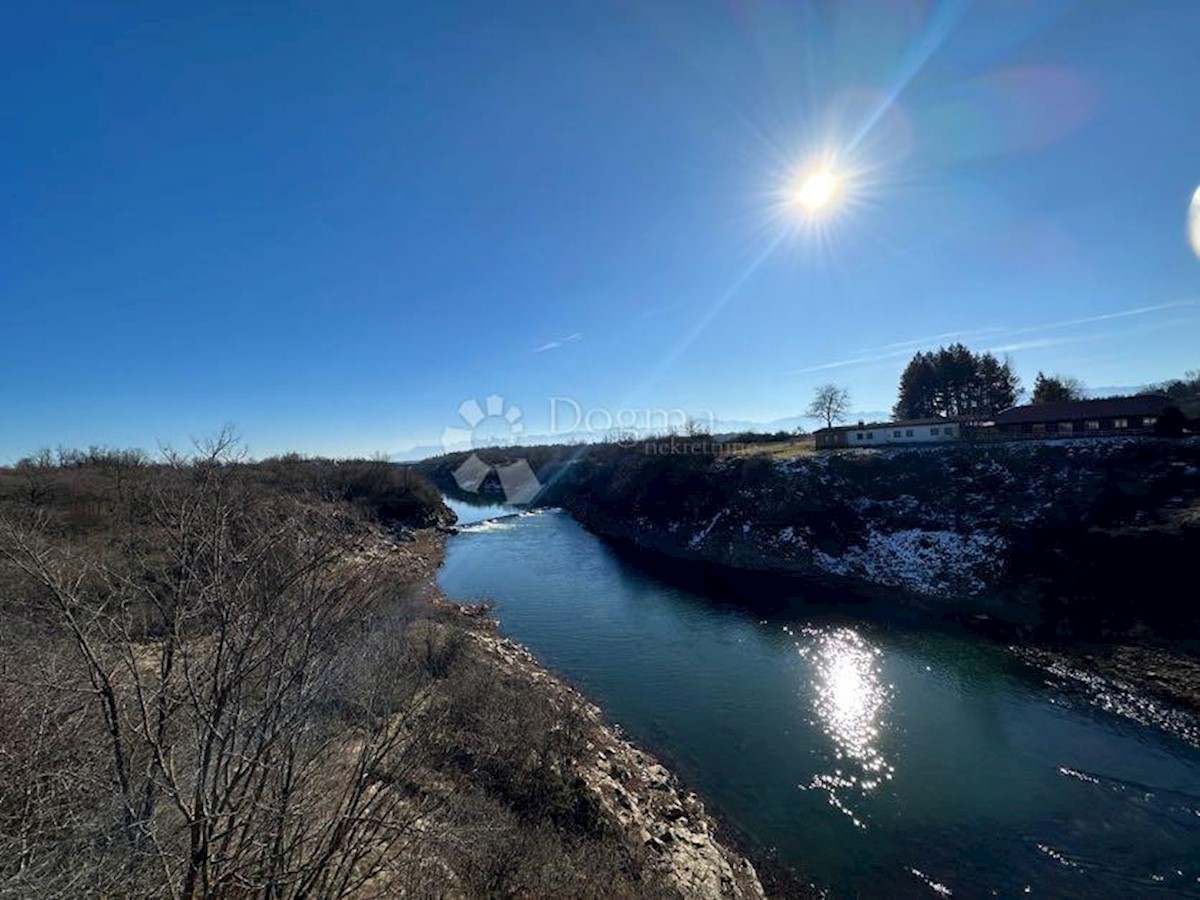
x,y
873,759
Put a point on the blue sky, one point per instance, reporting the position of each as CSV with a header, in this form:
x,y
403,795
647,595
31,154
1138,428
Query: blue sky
x,y
331,224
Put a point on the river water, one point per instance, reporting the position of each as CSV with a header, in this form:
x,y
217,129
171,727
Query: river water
x,y
872,759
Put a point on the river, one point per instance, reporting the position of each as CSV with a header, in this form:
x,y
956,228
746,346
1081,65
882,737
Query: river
x,y
870,758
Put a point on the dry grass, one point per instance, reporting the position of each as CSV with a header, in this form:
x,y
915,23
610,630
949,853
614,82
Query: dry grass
x,y
226,679
780,450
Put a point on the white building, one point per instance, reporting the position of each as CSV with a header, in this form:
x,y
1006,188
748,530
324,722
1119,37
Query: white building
x,y
880,434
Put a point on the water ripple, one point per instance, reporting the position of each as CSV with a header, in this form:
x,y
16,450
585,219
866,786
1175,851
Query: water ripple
x,y
936,886
1121,699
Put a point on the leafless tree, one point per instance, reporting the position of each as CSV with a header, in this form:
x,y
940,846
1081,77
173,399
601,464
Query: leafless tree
x,y
220,678
830,403
231,655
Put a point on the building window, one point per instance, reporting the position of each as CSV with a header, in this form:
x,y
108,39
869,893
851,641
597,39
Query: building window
x,y
1068,427
908,432
896,433
1039,427
1092,424
1120,423
1148,421
933,431
870,435
858,436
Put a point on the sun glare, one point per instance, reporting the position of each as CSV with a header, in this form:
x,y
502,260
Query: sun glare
x,y
818,191
1194,222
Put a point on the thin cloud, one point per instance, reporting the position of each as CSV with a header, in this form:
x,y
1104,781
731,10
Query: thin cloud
x,y
867,357
920,342
1034,343
843,363
559,342
1100,335
1105,317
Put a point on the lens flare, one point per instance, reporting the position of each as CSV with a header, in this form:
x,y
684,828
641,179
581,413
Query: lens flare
x,y
1194,222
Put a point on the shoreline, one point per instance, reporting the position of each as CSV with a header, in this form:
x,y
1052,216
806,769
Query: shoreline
x,y
1049,544
1155,682
1163,671
685,842
1153,686
1058,662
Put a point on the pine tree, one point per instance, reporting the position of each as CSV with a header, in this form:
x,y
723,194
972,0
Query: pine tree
x,y
954,381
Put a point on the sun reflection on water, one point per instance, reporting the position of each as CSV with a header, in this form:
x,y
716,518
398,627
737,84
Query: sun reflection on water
x,y
850,699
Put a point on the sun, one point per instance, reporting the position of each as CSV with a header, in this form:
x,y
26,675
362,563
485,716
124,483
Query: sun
x,y
817,191
818,194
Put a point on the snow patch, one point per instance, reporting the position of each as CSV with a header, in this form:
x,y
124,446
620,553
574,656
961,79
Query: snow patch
x,y
924,561
701,536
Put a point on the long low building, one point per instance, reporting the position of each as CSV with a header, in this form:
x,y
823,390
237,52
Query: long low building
x,y
1084,418
878,434
1070,418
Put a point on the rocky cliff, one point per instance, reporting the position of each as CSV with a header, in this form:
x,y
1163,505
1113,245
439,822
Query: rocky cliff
x,y
1070,538
1084,537
644,798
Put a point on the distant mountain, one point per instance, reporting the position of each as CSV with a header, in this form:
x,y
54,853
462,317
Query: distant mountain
x,y
1114,390
720,427
427,451
416,454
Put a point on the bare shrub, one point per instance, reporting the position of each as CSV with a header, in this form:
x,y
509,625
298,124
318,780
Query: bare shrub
x,y
207,651
216,678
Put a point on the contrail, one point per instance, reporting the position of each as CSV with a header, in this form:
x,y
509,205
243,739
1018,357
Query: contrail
x,y
998,333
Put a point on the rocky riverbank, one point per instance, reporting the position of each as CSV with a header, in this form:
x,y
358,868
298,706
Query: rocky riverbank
x,y
1067,539
1156,686
639,795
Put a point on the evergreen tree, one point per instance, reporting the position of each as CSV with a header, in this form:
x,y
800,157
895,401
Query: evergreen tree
x,y
953,381
918,388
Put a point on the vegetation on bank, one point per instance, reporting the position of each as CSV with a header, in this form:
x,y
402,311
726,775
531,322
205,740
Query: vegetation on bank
x,y
223,678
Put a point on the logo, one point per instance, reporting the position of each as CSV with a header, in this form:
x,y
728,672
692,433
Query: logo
x,y
494,424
